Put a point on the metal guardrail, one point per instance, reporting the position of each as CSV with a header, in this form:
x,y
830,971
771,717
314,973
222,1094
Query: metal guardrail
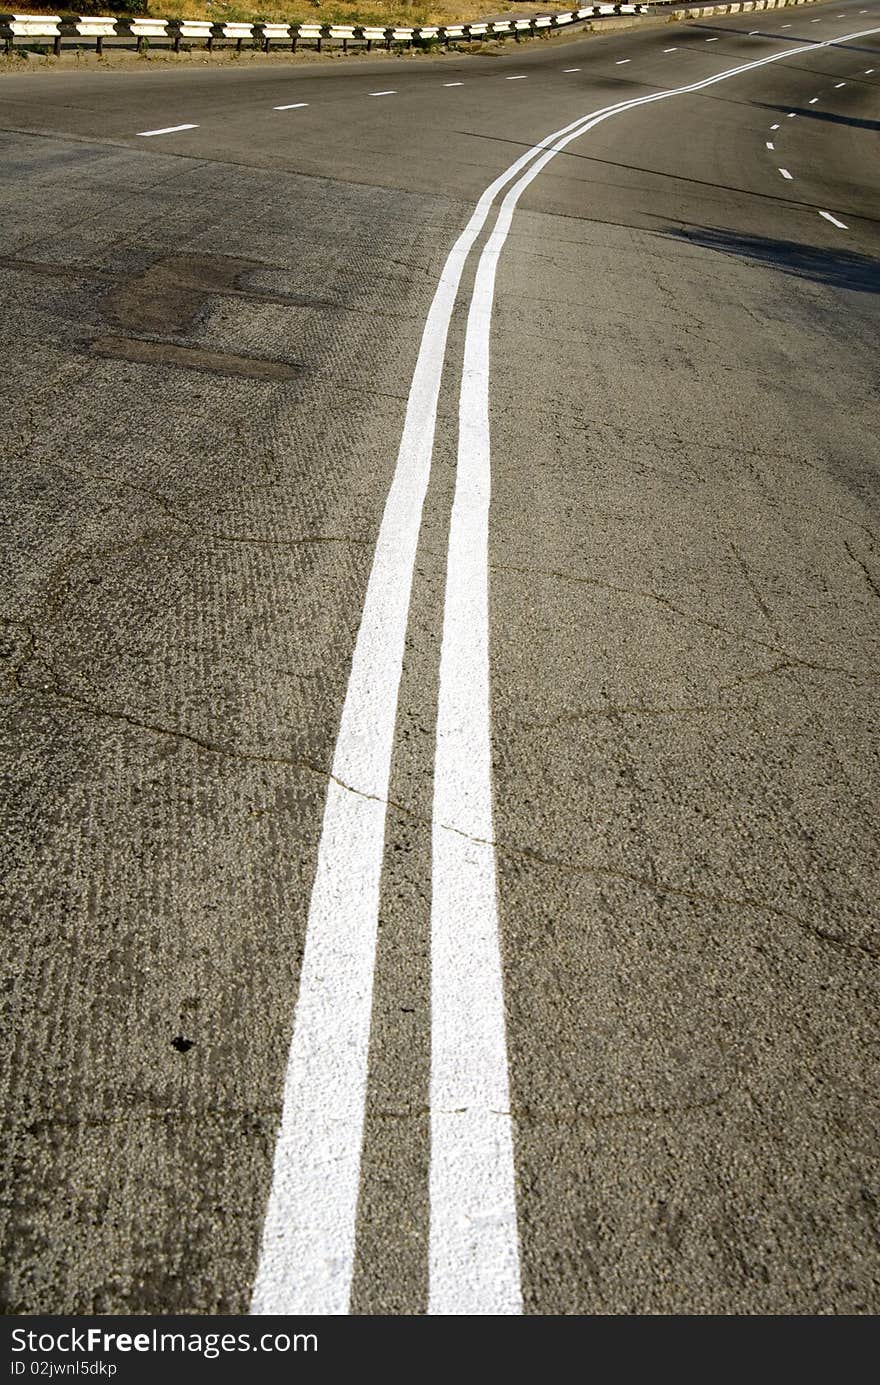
x,y
177,32
82,30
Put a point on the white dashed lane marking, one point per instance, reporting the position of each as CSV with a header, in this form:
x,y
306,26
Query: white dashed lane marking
x,y
785,173
571,69
521,77
834,222
670,50
453,84
813,100
838,85
774,127
168,130
297,106
770,144
382,93
621,61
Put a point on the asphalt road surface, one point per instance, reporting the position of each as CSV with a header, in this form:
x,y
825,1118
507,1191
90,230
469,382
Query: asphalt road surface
x,y
415,905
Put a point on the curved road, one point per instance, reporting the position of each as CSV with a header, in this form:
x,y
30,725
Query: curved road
x,y
517,864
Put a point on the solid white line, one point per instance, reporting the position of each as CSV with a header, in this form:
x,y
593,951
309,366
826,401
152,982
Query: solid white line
x,y
834,222
168,130
770,144
474,1255
307,1252
473,1251
785,173
297,106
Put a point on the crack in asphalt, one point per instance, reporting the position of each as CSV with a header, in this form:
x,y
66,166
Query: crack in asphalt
x,y
794,660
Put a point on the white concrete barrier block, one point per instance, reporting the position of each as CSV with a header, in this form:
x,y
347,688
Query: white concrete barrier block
x,y
96,26
36,25
149,28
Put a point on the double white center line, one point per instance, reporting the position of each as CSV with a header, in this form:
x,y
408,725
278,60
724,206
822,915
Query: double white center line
x,y
307,1257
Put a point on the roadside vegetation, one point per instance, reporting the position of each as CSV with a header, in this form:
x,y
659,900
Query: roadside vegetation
x,y
384,12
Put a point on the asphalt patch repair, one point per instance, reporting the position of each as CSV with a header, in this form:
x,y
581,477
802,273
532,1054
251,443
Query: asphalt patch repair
x,y
167,300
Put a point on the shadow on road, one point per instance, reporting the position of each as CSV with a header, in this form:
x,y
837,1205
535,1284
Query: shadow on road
x,y
839,268
823,115
797,41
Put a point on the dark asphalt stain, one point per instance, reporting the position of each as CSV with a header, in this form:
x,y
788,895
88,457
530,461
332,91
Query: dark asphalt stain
x,y
142,352
169,299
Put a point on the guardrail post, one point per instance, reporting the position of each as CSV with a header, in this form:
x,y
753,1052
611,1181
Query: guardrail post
x,y
388,33
56,44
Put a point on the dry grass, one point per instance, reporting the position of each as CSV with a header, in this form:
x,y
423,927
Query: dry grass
x,y
407,12
404,12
